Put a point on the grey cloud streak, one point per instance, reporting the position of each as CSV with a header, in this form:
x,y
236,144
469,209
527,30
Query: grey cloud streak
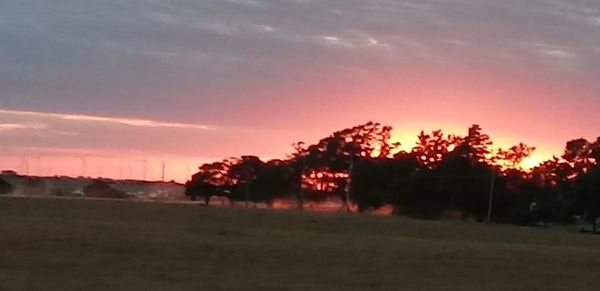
x,y
225,63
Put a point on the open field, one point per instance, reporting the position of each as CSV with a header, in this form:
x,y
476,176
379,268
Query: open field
x,y
48,244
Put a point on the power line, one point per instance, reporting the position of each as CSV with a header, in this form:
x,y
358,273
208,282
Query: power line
x,y
144,169
83,166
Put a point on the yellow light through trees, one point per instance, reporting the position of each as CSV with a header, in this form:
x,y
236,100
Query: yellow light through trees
x,y
530,162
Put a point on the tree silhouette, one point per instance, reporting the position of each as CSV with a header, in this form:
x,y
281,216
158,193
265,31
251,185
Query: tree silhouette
x,y
373,180
328,161
101,189
5,187
596,151
440,174
211,180
465,183
276,179
241,174
579,154
432,149
476,145
586,195
514,156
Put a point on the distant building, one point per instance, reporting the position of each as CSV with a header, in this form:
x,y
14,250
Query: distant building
x,y
74,187
8,173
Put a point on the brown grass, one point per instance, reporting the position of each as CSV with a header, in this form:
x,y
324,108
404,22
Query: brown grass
x,y
102,245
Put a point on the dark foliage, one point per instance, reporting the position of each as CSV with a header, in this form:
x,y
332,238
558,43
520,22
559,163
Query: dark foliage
x,y
441,175
5,187
101,189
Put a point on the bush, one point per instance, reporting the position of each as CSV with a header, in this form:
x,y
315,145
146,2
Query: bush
x,y
5,187
100,189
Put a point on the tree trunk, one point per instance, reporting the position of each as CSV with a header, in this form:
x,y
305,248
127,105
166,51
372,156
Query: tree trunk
x,y
247,193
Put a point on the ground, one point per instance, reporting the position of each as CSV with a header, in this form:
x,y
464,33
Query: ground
x,y
59,244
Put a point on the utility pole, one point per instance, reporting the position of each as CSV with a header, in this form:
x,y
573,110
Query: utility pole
x,y
38,169
144,169
83,166
25,165
491,198
247,186
349,188
247,193
301,193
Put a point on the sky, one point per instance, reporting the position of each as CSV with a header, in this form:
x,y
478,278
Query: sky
x,y
114,88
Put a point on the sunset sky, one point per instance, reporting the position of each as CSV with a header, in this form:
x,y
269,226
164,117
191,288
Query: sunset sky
x,y
105,88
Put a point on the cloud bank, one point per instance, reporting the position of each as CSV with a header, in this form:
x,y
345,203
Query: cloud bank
x,y
217,78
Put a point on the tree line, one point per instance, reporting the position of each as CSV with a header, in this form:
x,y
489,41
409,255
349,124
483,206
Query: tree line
x,y
441,175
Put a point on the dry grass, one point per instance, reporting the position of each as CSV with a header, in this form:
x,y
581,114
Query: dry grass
x,y
103,245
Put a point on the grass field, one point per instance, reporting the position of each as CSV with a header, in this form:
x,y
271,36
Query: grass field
x,y
61,245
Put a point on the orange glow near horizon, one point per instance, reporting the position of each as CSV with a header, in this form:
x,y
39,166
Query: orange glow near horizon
x,y
541,154
531,162
173,104
179,168
332,204
181,165
134,167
